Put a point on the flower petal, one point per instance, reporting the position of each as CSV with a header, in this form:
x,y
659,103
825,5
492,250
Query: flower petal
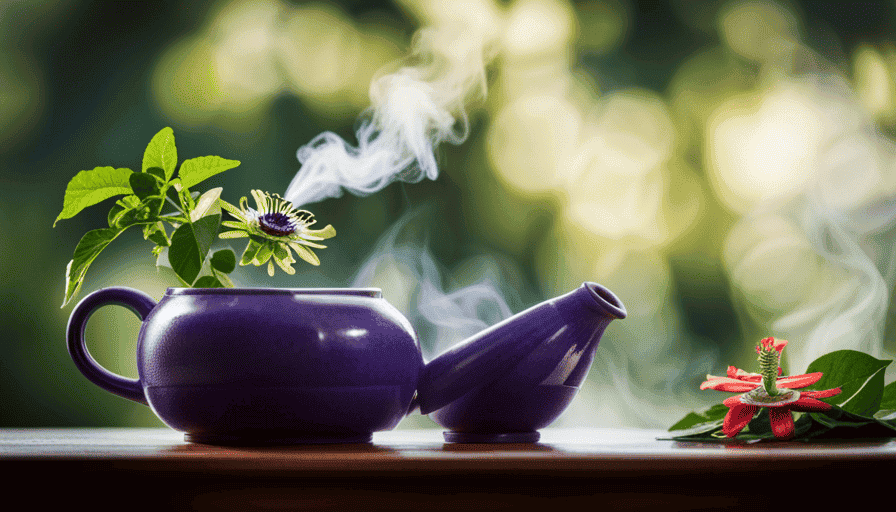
x,y
233,234
808,404
782,422
798,381
301,240
732,401
737,373
821,394
779,344
323,234
728,384
305,253
737,418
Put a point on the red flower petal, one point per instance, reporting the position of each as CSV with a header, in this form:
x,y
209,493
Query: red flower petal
x,y
782,422
728,384
807,404
737,418
731,401
737,373
798,381
771,343
779,344
821,394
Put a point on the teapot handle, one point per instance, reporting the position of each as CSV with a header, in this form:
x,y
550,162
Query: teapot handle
x,y
138,302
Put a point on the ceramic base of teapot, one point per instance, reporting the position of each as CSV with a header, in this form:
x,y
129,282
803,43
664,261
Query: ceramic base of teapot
x,y
491,438
235,440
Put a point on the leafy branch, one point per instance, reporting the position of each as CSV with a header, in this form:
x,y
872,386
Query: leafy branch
x,y
157,198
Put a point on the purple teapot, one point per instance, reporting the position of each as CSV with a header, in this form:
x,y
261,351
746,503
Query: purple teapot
x,y
285,366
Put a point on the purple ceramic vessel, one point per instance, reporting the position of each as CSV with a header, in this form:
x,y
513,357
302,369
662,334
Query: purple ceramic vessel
x,y
516,377
263,366
278,366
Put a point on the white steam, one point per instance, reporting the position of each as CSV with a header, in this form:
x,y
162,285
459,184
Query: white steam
x,y
411,280
413,110
817,268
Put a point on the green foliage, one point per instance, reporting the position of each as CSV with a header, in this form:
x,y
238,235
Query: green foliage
x,y
88,249
697,418
888,397
858,375
161,153
197,170
865,408
196,222
88,188
223,261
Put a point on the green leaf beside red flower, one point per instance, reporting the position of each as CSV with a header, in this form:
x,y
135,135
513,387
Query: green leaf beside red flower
x,y
842,395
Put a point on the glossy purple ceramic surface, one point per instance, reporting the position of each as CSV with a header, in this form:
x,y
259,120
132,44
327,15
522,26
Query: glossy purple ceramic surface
x,y
263,365
257,366
519,375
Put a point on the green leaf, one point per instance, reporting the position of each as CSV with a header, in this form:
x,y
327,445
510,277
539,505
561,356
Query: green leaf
x,y
888,399
122,206
208,282
186,199
184,254
144,185
162,153
698,432
196,170
144,212
206,231
172,191
858,375
158,172
692,419
886,417
845,425
88,188
223,261
90,246
225,280
232,210
207,204
156,233
190,244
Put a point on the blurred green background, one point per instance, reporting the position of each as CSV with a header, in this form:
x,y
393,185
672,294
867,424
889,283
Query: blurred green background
x,y
725,167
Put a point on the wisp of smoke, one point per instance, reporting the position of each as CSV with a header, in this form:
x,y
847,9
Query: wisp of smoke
x,y
846,220
413,110
411,279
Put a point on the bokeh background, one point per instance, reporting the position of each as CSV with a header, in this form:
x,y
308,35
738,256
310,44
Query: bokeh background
x,y
725,167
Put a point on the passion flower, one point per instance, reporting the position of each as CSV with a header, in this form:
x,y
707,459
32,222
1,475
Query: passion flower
x,y
763,392
275,229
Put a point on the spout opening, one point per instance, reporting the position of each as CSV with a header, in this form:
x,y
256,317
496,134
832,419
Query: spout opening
x,y
606,300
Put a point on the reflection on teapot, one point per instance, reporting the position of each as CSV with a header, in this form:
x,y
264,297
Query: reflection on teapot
x,y
277,366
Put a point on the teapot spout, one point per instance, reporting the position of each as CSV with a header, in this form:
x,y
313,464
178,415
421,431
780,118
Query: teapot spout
x,y
539,345
594,297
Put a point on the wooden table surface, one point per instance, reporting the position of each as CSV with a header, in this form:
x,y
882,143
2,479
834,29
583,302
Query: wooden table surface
x,y
620,469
